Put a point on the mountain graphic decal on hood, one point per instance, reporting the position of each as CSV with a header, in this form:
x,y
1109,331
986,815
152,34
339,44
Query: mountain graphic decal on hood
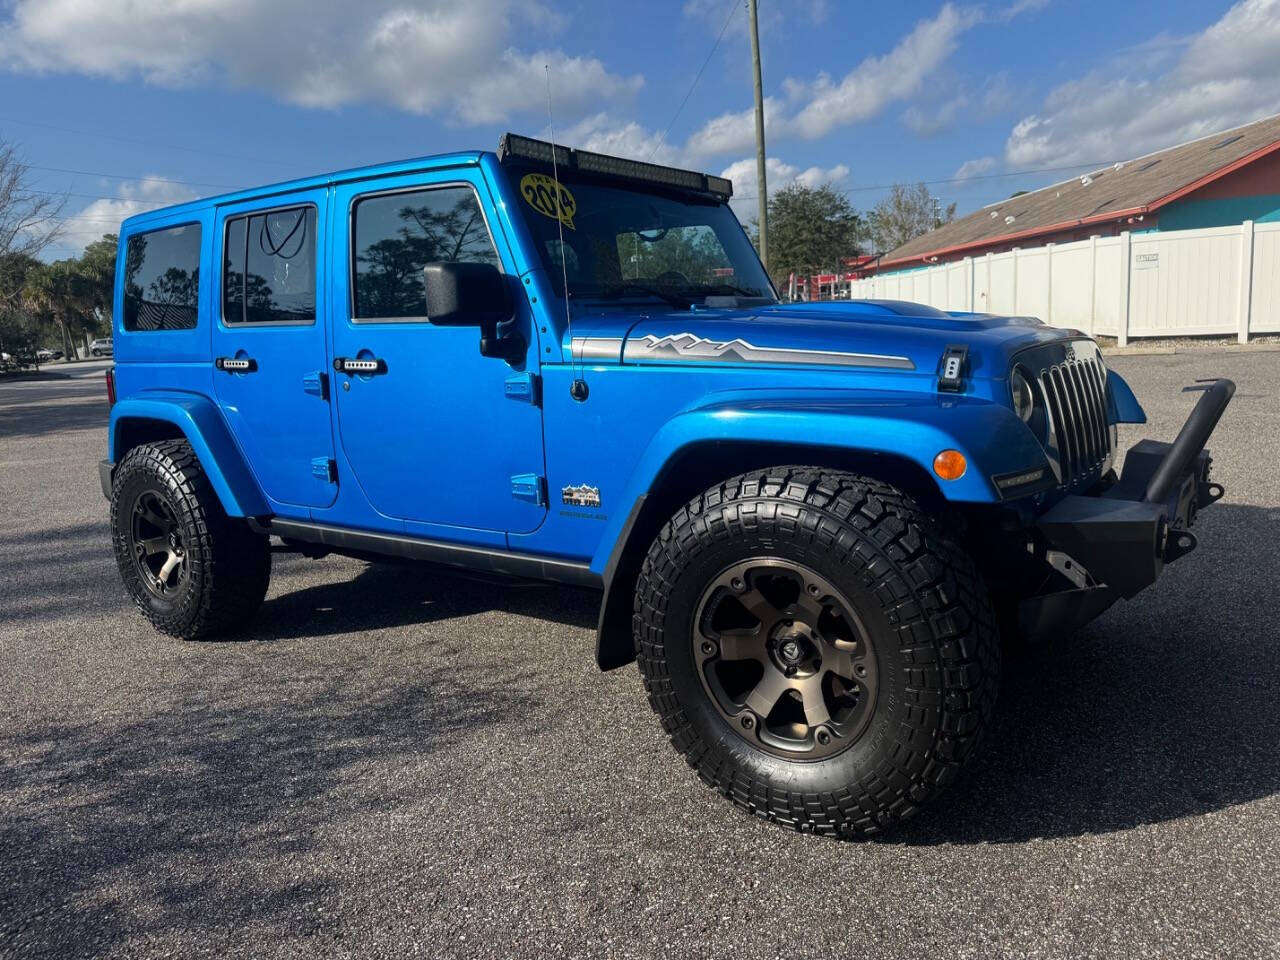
x,y
690,348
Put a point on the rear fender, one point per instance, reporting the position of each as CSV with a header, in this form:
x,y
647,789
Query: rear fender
x,y
199,421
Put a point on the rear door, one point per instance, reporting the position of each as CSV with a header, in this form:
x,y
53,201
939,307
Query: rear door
x,y
269,345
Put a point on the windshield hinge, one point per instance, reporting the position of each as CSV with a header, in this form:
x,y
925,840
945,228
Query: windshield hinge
x,y
530,487
524,387
324,468
951,370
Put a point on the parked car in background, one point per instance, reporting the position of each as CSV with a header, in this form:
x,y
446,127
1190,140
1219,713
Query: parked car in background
x,y
101,348
45,355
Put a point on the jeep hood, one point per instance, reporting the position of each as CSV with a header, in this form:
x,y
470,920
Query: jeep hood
x,y
870,334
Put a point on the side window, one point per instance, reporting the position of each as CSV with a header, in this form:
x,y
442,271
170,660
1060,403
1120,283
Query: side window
x,y
269,267
162,279
395,235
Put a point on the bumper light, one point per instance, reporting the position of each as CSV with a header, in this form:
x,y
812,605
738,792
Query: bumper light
x,y
1020,479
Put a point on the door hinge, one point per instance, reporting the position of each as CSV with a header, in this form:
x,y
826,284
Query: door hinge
x,y
316,383
525,387
324,468
530,488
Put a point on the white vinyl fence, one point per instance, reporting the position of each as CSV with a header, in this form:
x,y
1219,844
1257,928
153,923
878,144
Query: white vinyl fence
x,y
1218,280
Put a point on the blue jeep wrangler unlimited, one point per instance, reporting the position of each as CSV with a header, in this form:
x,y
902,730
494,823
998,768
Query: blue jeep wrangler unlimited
x,y
809,521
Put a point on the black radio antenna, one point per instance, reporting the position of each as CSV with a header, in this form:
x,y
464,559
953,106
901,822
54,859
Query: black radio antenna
x,y
578,388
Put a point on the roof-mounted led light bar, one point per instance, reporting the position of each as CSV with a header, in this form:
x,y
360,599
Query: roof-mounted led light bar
x,y
512,146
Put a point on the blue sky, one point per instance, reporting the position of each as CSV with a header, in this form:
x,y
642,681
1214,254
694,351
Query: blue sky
x,y
124,106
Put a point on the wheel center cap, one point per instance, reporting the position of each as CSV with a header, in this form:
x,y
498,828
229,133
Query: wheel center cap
x,y
790,652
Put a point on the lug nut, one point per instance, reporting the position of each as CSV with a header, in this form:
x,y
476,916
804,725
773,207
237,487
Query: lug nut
x,y
860,670
813,590
790,671
737,583
748,722
823,737
708,648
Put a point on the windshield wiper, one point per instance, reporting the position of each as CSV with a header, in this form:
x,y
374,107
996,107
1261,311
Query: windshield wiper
x,y
729,290
618,290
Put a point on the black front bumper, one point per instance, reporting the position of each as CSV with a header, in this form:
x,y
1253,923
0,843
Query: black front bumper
x,y
1116,543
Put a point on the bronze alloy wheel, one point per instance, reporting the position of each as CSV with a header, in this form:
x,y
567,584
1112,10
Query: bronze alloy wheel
x,y
785,658
155,542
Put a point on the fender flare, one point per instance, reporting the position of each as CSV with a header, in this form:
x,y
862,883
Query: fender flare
x,y
1122,405
201,423
909,425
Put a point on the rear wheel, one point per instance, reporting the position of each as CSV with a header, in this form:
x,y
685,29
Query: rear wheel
x,y
192,570
817,647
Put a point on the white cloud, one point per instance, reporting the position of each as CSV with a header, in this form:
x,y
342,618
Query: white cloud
x,y
814,108
975,168
779,174
105,215
926,121
460,60
774,18
1225,76
1019,7
878,81
628,139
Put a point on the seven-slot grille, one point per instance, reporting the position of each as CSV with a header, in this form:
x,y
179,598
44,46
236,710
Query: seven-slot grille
x,y
1075,393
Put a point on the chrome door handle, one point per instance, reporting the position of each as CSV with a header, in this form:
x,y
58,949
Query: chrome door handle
x,y
236,364
361,367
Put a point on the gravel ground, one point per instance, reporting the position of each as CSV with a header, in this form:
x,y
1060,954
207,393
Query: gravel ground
x,y
400,763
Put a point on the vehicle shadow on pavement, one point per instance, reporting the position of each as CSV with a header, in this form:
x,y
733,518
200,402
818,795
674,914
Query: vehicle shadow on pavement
x,y
48,416
386,595
225,806
1166,707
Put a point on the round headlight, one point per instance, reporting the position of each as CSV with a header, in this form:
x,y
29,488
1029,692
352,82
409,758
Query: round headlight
x,y
1024,401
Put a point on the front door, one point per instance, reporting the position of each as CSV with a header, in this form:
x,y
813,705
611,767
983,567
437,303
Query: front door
x,y
269,346
431,434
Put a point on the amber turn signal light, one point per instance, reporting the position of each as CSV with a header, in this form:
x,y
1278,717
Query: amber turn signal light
x,y
950,464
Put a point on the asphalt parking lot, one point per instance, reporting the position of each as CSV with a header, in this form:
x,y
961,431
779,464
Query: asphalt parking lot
x,y
396,762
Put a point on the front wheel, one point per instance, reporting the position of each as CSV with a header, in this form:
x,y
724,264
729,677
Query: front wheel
x,y
817,648
192,570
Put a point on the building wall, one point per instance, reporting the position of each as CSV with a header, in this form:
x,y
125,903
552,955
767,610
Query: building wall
x,y
1208,281
1250,193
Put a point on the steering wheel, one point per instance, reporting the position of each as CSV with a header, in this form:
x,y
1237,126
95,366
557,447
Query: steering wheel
x,y
672,277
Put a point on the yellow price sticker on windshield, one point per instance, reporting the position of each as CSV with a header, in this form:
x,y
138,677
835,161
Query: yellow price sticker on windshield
x,y
541,192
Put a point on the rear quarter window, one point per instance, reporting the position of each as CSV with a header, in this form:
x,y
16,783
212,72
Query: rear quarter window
x,y
162,279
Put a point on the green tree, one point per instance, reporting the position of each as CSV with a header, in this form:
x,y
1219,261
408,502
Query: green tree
x,y
18,343
906,213
811,230
69,296
97,270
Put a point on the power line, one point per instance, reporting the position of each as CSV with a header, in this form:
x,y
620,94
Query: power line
x,y
984,176
104,196
146,143
131,176
733,8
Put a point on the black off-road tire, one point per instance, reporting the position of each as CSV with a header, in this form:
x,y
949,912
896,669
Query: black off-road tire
x,y
926,614
226,568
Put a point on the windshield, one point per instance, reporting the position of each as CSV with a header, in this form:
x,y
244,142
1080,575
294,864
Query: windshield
x,y
623,242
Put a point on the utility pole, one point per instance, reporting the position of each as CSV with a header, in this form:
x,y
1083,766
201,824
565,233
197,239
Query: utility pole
x,y
762,190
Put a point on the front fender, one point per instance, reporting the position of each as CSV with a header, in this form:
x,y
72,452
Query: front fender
x,y
912,425
201,423
1122,405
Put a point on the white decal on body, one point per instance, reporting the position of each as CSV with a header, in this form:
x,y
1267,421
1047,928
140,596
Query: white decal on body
x,y
690,347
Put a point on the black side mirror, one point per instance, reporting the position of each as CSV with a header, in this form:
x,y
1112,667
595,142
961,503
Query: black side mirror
x,y
474,295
